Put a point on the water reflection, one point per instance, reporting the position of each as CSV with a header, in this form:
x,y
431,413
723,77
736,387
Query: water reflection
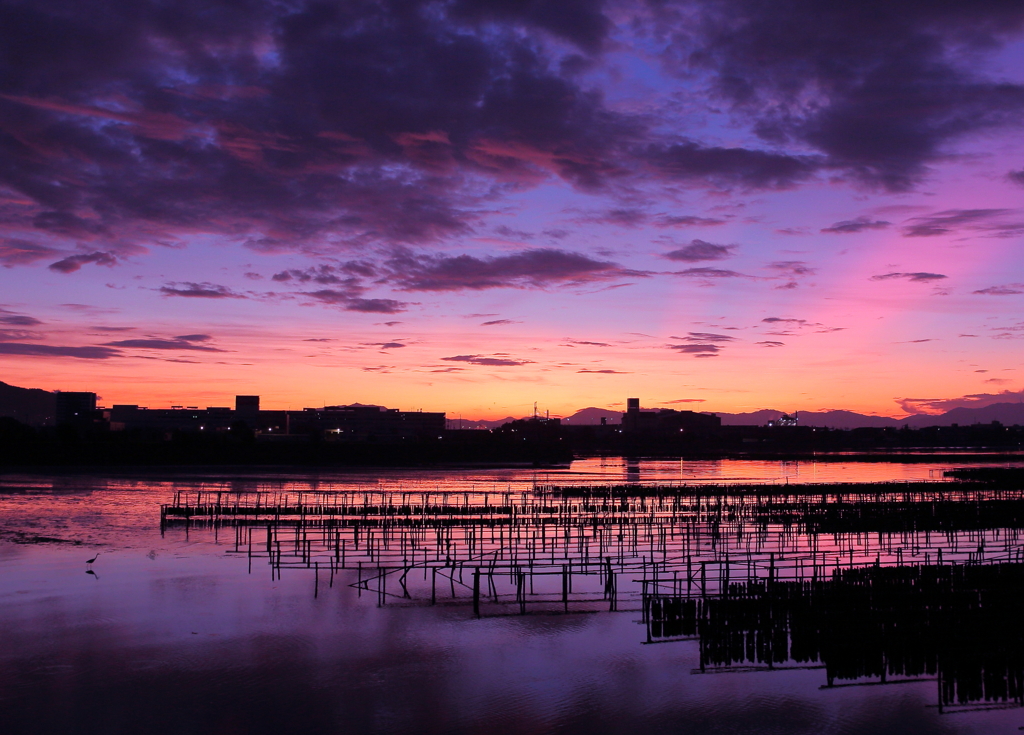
x,y
957,625
453,603
892,586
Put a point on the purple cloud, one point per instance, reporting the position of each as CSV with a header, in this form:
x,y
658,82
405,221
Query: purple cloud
x,y
954,220
184,342
856,225
75,262
699,250
1009,290
742,167
487,361
697,350
192,290
84,353
687,220
531,268
23,252
13,319
918,277
704,272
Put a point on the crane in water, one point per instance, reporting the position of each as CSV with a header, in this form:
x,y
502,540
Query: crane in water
x,y
90,561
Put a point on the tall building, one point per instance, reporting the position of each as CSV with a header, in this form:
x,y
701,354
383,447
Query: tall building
x,y
75,407
247,406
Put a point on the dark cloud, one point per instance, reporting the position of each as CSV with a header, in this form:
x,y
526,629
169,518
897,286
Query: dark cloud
x,y
708,273
990,221
510,233
328,274
499,361
351,302
14,319
329,127
701,344
590,344
918,277
856,225
23,252
623,217
1011,289
376,306
289,122
699,250
706,337
498,323
578,21
385,345
783,320
75,262
530,268
771,343
728,167
1016,177
199,291
697,350
184,342
687,220
85,353
685,400
881,89
66,223
792,268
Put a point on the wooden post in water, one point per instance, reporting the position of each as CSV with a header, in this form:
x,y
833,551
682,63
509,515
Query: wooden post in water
x,y
476,592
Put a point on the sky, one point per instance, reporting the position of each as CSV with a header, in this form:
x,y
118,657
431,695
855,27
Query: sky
x,y
474,205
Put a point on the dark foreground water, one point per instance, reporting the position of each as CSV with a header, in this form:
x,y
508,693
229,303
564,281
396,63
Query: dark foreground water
x,y
733,615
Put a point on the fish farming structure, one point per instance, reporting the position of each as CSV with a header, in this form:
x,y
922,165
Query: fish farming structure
x,y
879,583
956,624
699,537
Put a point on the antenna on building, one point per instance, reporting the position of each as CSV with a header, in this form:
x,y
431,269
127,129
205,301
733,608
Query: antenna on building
x,y
535,409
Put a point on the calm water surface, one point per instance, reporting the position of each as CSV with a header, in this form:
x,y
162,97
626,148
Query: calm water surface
x,y
178,630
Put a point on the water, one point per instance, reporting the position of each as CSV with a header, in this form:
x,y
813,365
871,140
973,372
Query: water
x,y
197,627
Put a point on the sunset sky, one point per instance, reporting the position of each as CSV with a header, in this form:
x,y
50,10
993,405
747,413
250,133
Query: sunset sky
x,y
469,206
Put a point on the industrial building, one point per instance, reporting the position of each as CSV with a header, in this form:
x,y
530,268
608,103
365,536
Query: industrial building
x,y
635,420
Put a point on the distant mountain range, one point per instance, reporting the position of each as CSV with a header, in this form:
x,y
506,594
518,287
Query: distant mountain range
x,y
37,407
1005,413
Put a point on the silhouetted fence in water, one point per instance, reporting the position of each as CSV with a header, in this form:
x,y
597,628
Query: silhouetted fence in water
x,y
555,548
893,583
957,624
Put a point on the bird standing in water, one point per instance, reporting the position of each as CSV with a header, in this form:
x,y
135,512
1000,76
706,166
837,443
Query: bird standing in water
x,y
90,561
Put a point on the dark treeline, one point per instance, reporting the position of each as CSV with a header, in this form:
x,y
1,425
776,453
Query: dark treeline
x,y
958,623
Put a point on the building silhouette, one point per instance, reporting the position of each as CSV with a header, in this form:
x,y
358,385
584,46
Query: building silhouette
x,y
75,407
665,420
